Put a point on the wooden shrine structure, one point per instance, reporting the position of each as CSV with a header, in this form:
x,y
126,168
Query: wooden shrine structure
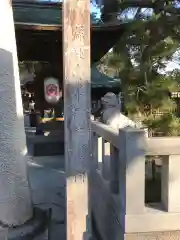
x,y
39,33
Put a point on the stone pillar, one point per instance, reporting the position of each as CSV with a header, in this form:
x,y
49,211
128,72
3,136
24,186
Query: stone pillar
x,y
170,183
132,170
106,160
77,112
15,199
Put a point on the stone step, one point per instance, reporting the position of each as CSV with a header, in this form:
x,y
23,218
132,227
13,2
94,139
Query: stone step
x,y
50,145
48,148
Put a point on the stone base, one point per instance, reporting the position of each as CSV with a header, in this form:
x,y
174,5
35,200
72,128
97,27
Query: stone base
x,y
48,149
50,145
30,230
52,126
169,235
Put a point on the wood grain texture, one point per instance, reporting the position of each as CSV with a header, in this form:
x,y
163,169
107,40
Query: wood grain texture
x,y
76,44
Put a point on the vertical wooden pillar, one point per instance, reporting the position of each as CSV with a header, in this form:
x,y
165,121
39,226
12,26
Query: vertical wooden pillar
x,y
76,44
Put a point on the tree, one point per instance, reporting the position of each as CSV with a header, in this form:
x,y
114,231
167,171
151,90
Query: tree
x,y
139,59
15,199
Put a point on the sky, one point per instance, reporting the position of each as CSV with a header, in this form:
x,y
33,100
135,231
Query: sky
x,y
175,64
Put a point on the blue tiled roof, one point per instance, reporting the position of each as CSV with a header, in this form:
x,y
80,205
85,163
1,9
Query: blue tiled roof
x,y
41,14
99,79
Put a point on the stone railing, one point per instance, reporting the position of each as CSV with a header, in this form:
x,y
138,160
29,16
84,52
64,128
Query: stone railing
x,y
117,184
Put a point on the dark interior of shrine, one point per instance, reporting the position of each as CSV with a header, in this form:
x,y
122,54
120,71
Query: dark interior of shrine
x,y
46,45
39,38
39,32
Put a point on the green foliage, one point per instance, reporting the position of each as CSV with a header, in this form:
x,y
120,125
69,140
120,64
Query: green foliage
x,y
167,124
139,60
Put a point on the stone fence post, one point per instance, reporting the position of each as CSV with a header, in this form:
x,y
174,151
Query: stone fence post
x,y
132,170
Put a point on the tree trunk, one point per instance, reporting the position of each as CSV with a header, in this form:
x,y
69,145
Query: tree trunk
x,y
15,199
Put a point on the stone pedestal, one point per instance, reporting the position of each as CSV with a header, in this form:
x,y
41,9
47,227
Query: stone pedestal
x,y
15,199
32,229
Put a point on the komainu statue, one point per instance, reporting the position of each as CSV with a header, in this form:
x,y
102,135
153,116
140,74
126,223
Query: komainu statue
x,y
111,113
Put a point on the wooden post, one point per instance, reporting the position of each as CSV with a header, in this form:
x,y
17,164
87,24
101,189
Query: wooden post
x,y
76,43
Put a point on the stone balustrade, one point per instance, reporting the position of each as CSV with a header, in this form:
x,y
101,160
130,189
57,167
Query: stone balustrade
x,y
117,184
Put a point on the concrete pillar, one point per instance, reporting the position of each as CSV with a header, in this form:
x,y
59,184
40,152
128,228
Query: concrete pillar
x,y
94,164
106,159
114,170
15,200
99,152
171,183
132,170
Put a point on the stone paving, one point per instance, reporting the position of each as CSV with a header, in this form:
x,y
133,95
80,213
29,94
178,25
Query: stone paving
x,y
47,183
